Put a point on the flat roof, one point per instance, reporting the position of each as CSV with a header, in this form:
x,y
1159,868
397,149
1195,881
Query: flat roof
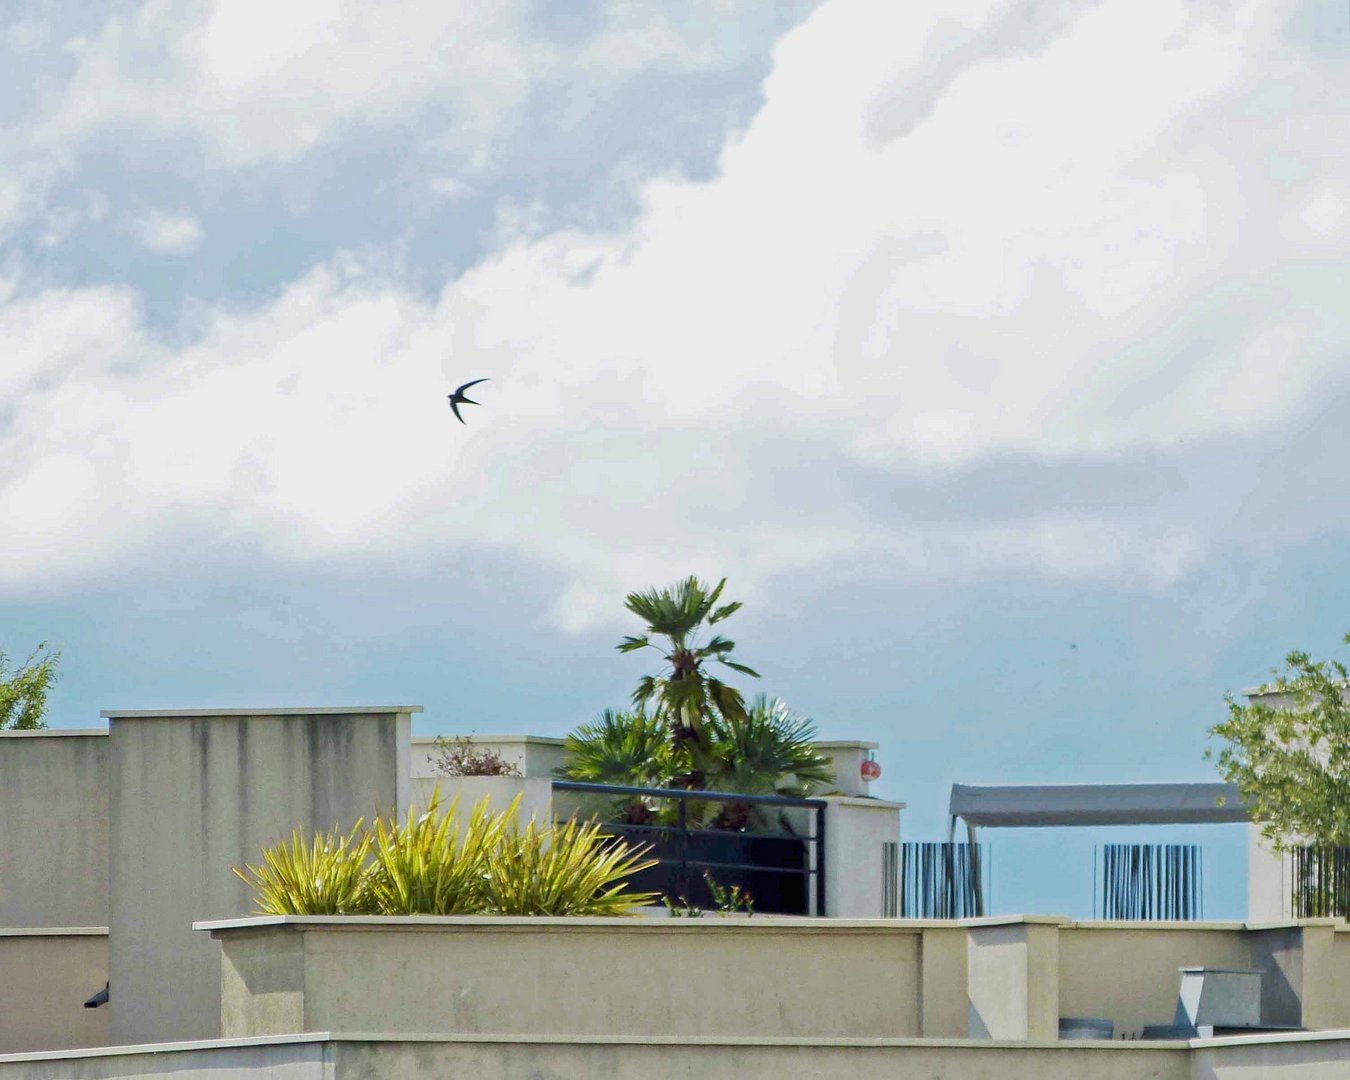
x,y
1039,805
48,732
306,710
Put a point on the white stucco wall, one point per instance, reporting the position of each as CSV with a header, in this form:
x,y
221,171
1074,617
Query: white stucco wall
x,y
855,831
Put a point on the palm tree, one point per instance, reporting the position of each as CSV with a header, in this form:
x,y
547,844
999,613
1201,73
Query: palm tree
x,y
628,749
685,695
768,751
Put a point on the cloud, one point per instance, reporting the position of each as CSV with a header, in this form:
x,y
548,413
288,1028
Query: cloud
x,y
205,72
168,234
938,340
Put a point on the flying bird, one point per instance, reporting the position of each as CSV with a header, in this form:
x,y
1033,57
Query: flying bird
x,y
457,398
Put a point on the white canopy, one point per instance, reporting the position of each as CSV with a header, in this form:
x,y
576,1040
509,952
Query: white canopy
x,y
1098,804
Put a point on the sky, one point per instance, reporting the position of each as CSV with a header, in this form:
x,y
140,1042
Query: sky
x,y
996,351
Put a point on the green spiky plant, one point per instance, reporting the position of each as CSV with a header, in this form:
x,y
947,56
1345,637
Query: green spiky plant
x,y
327,876
436,864
565,869
443,864
685,695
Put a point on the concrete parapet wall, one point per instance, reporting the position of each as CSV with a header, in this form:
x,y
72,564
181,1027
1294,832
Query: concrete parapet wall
x,y
533,755
195,793
1127,972
361,1057
856,830
536,794
753,1059
756,977
53,828
1001,978
45,977
323,1056
1305,1056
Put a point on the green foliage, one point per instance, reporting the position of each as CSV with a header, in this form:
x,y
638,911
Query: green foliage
x,y
435,864
630,749
326,877
1292,761
459,757
767,749
567,869
23,691
441,864
685,695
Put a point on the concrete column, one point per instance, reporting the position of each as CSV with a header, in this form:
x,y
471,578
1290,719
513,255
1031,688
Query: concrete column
x,y
1013,976
1269,897
944,991
846,758
1298,988
194,793
855,830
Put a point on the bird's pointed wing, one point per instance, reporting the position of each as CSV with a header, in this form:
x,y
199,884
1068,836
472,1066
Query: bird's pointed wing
x,y
454,408
460,391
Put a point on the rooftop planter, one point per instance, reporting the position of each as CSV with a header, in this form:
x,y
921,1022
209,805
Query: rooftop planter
x,y
575,976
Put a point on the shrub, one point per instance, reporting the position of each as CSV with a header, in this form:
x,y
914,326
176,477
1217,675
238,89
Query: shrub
x,y
459,757
433,865
440,864
565,869
326,877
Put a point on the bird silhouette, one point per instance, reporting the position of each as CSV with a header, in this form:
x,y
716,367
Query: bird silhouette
x,y
457,398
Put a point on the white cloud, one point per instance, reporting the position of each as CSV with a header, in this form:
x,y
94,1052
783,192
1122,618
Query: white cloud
x,y
168,234
1056,263
253,81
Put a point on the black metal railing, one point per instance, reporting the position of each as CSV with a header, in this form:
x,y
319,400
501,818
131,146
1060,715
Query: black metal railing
x,y
1321,882
1151,881
943,880
683,853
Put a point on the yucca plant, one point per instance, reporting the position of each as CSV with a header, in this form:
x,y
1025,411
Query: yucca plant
x,y
325,877
564,869
435,864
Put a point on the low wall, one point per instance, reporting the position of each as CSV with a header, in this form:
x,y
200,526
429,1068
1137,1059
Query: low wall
x,y
536,793
1009,978
1301,1055
45,977
751,1059
638,977
1128,972
325,1057
533,755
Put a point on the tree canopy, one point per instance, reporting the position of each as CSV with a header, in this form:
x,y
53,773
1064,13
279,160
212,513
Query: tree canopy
x,y
1289,752
23,690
